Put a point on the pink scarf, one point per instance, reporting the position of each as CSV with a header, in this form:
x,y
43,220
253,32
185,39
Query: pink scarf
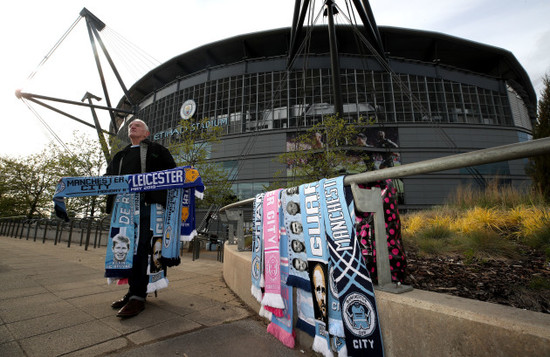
x,y
272,296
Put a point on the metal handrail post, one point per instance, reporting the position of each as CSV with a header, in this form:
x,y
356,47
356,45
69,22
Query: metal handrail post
x,y
370,200
45,231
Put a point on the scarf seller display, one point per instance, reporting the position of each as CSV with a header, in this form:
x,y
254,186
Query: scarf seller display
x,y
281,325
354,286
272,295
155,268
317,261
173,180
257,270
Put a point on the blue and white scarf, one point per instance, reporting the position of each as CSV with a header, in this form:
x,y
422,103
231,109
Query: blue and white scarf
x,y
353,283
172,228
155,269
257,249
317,261
297,255
123,237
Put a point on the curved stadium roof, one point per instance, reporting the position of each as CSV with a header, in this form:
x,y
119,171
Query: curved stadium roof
x,y
416,45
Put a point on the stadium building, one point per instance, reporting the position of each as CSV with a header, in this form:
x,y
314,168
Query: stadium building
x,y
443,95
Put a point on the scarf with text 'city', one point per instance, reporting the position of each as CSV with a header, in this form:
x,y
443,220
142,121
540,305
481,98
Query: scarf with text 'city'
x,y
352,281
281,325
271,234
171,180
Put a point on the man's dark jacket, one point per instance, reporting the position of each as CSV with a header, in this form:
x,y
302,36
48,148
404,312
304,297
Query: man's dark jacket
x,y
158,158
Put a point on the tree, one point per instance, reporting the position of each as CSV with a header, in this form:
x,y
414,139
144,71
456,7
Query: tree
x,y
193,147
29,182
325,150
84,157
539,166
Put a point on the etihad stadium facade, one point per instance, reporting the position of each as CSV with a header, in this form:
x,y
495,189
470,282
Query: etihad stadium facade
x,y
444,95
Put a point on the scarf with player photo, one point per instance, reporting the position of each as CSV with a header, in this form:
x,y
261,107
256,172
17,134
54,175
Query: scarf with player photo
x,y
317,261
354,286
271,234
155,269
257,249
123,237
297,256
281,326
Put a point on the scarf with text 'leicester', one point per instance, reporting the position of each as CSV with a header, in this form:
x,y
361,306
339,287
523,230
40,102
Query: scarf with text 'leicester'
x,y
171,180
354,286
317,261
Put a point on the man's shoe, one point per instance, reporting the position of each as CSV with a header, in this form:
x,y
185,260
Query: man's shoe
x,y
131,309
120,303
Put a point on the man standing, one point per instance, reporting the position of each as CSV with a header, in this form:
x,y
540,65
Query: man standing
x,y
140,156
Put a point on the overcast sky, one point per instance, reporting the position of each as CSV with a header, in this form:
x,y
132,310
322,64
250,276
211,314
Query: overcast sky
x,y
164,29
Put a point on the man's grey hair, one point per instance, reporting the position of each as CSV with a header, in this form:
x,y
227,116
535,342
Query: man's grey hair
x,y
137,119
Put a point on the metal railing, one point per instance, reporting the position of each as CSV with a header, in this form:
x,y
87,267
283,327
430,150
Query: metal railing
x,y
366,201
87,231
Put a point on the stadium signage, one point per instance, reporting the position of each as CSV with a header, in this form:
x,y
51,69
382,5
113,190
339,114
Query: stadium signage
x,y
195,126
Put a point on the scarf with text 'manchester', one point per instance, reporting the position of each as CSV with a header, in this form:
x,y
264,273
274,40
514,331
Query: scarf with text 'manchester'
x,y
174,180
350,275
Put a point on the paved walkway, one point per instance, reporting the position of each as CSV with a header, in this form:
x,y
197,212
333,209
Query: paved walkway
x,y
54,301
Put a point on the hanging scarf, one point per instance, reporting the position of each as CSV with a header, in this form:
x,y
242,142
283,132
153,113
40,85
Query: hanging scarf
x,y
354,286
171,180
281,326
155,268
306,316
272,296
365,233
172,227
188,231
297,256
122,238
257,249
317,261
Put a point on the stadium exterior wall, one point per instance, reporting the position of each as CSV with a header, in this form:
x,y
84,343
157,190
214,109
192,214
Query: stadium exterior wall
x,y
451,109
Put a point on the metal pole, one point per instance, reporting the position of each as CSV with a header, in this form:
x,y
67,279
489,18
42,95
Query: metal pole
x,y
473,158
334,63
